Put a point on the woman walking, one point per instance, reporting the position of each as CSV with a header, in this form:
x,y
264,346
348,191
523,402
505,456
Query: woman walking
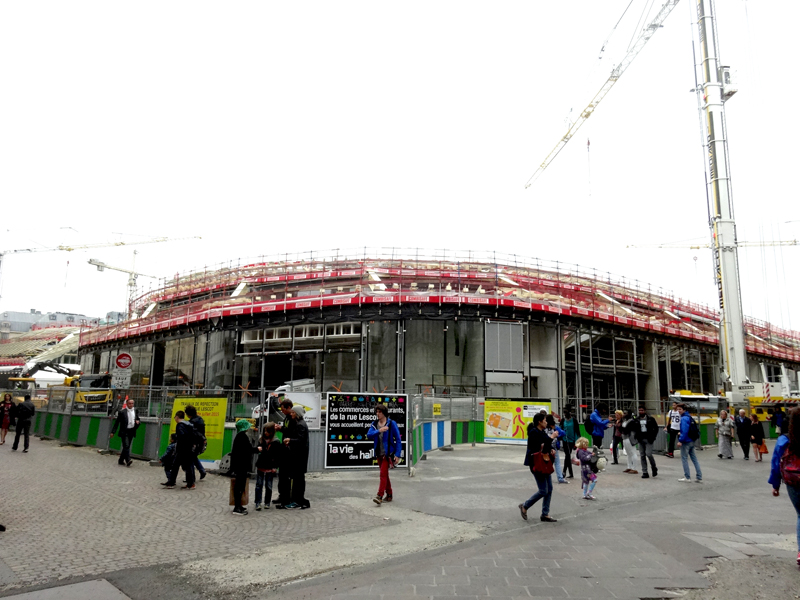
x,y
588,477
756,436
725,427
616,440
6,417
628,440
786,467
539,442
572,432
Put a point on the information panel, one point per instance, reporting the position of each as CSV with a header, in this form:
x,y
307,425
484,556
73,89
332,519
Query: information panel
x,y
213,411
505,420
349,417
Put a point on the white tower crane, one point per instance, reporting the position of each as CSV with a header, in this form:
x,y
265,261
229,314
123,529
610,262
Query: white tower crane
x,y
132,277
616,73
64,248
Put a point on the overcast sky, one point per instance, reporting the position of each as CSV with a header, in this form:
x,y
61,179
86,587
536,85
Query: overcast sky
x,y
270,127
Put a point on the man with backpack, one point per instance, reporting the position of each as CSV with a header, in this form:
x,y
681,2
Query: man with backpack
x,y
184,452
200,435
690,435
388,449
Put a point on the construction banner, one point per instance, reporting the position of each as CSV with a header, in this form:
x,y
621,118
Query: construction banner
x,y
213,411
506,419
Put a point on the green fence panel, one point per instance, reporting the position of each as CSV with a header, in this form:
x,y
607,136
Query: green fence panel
x,y
477,431
48,420
137,446
59,424
38,421
115,443
74,429
94,428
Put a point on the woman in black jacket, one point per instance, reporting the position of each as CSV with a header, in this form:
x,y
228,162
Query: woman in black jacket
x,y
241,462
539,441
756,436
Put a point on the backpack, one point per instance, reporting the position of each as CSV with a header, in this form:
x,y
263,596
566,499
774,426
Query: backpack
x,y
694,432
199,442
790,468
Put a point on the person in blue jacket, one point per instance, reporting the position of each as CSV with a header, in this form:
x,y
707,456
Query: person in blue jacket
x,y
388,449
599,426
549,429
687,444
790,442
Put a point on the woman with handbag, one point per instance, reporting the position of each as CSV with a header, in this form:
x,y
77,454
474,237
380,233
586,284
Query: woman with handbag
x,y
756,436
539,457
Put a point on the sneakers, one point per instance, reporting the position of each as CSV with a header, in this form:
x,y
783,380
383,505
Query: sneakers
x,y
378,500
589,497
699,481
747,458
563,481
670,455
239,511
291,506
386,498
258,507
189,487
686,479
645,476
548,519
523,512
26,450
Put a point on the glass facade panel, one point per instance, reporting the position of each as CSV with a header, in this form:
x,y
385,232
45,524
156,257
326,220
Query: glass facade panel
x,y
305,366
199,376
186,361
277,370
424,342
342,372
171,356
142,358
247,380
104,360
464,356
382,356
219,370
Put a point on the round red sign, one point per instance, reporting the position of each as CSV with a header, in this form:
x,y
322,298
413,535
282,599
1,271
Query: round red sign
x,y
124,360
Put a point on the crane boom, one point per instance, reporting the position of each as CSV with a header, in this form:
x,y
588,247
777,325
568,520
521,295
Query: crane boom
x,y
616,73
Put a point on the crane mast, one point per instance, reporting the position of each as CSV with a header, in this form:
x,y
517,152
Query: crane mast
x,y
714,91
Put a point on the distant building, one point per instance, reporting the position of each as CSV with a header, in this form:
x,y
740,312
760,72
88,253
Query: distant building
x,y
14,324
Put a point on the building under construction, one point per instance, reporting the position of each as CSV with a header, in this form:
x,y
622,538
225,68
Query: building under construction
x,y
408,321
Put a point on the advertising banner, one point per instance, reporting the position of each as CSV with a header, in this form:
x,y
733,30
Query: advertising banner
x,y
349,417
506,419
213,411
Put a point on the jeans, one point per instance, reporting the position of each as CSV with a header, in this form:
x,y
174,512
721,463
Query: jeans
x,y
567,458
187,464
168,471
631,452
385,485
616,443
263,477
646,452
199,466
23,428
794,496
588,488
126,438
545,484
687,452
557,465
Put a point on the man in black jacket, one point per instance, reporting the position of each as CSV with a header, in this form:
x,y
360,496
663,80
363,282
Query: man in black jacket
x,y
284,471
743,424
127,422
23,413
295,439
184,454
646,430
200,426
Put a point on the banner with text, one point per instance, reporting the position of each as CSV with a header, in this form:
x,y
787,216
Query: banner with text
x,y
506,419
349,417
213,411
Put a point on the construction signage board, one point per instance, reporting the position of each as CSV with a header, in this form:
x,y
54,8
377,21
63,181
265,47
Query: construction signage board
x,y
349,417
213,411
505,420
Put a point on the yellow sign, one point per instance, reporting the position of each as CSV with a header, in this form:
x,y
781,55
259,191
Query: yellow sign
x,y
437,410
505,421
213,411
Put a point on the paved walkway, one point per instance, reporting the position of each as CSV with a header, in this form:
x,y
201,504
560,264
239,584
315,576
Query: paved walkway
x,y
453,530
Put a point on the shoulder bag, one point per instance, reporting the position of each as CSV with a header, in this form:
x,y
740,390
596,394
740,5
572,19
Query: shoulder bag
x,y
542,463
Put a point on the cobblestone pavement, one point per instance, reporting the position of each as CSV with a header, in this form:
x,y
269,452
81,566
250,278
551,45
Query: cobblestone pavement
x,y
72,512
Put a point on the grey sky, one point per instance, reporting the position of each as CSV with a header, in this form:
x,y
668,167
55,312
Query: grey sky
x,y
266,127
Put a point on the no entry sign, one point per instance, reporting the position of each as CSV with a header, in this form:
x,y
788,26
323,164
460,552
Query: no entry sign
x,y
124,360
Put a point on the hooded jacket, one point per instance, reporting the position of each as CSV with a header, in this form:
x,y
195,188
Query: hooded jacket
x,y
599,423
392,446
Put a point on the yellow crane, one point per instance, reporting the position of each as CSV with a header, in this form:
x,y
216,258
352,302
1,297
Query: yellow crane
x,y
65,248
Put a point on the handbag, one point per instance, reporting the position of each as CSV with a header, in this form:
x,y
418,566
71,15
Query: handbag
x,y
763,448
542,463
245,494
